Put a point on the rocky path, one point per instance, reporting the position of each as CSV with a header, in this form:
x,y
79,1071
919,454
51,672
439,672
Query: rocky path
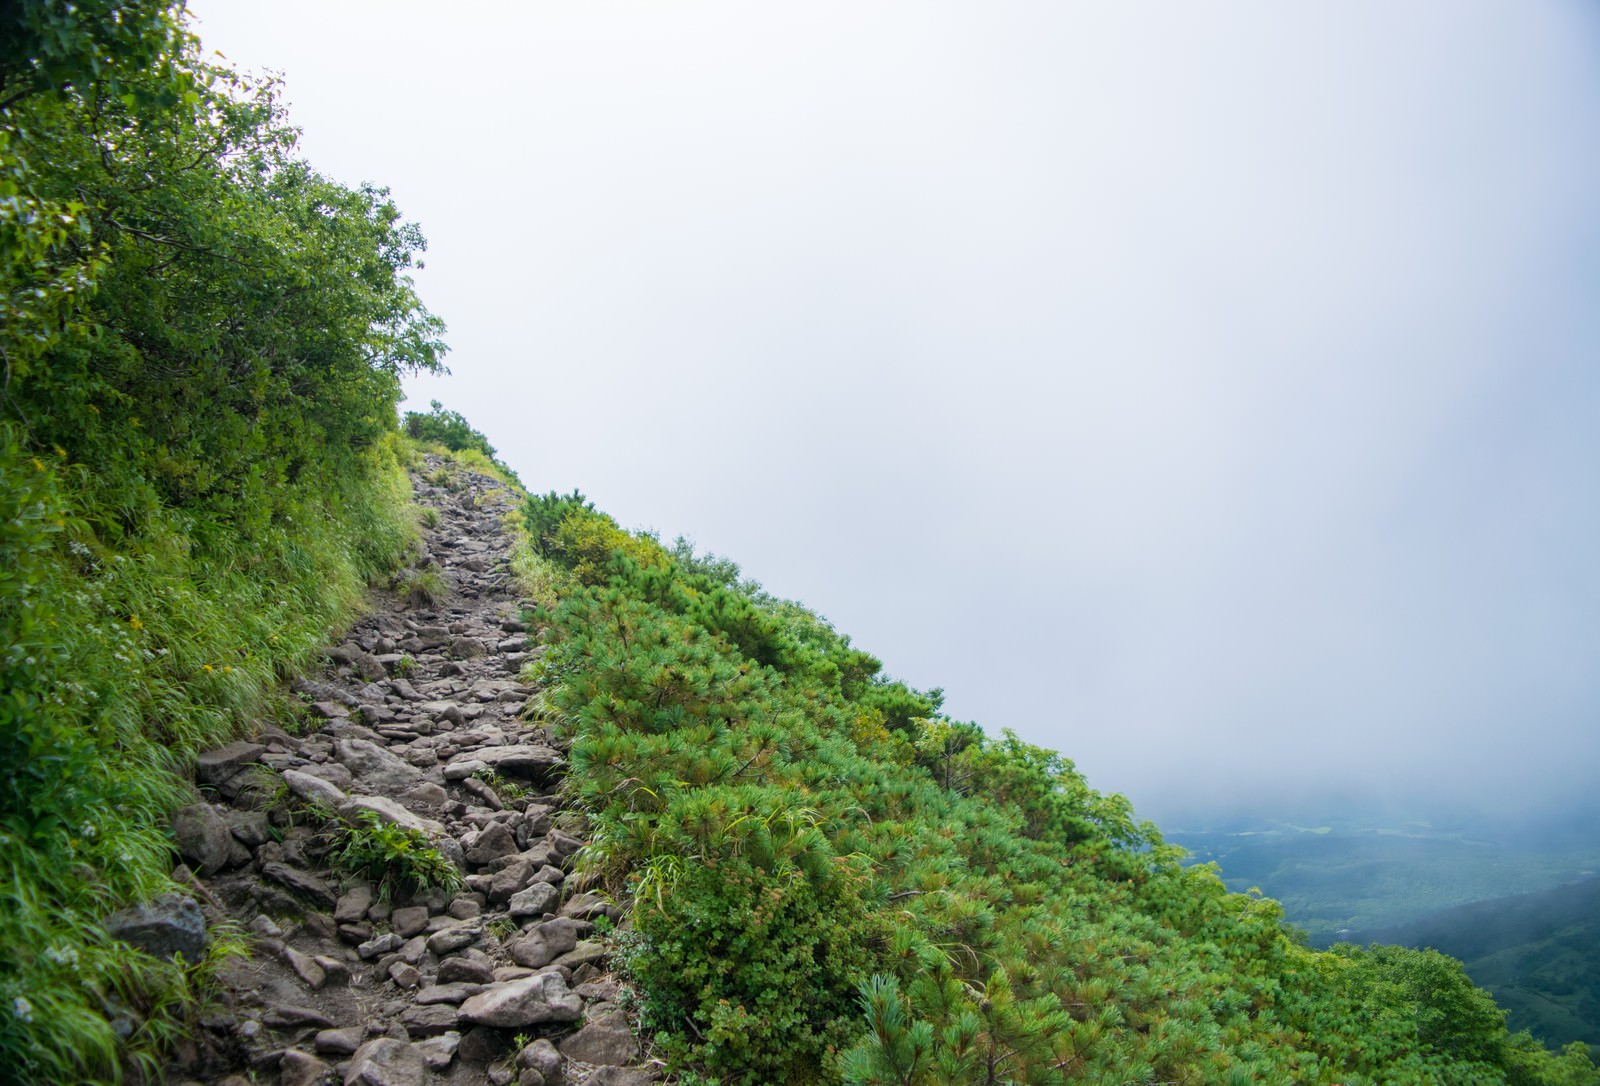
x,y
418,720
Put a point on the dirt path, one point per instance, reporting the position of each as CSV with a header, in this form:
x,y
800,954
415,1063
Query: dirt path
x,y
420,713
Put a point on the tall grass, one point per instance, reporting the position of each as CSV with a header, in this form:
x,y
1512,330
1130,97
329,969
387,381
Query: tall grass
x,y
121,661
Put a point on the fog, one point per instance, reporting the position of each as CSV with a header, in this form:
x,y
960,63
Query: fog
x,y
1206,391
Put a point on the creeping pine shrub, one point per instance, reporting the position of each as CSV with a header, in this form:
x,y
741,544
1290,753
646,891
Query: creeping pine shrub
x,y
760,967
393,857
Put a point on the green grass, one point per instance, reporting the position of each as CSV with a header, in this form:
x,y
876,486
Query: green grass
x,y
124,660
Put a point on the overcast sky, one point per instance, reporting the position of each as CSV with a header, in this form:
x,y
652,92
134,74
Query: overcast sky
x,y
1209,391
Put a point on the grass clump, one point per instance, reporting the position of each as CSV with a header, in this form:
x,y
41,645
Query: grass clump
x,y
508,790
422,587
393,857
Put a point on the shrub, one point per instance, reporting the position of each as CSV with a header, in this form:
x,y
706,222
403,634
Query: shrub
x,y
393,857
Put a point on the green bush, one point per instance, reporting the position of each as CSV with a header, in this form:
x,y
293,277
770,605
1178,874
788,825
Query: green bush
x,y
198,478
394,857
831,882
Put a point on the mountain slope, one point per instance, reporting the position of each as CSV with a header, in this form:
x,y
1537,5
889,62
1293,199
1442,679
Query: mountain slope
x,y
831,881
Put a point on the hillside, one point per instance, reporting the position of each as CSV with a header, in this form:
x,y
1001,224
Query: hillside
x,y
807,872
1539,953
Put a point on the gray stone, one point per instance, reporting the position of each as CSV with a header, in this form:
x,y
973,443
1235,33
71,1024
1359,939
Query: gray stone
x,y
358,660
296,1068
480,1044
541,1056
516,875
353,904
170,925
287,1016
587,952
492,843
463,768
313,789
307,968
404,974
530,1077
621,1076
604,1040
377,769
467,648
213,767
437,1052
340,1042
441,710
520,760
589,906
250,828
454,993
414,950
488,796
529,1001
455,937
379,944
427,794
335,773
409,920
463,969
202,837
385,1061
430,1019
301,882
562,845
536,900
389,811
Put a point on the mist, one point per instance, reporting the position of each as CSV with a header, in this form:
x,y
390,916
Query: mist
x,y
1208,393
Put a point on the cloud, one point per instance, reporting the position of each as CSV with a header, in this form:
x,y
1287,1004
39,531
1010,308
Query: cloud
x,y
1206,393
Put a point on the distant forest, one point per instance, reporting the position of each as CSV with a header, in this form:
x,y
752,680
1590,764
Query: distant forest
x,y
1538,953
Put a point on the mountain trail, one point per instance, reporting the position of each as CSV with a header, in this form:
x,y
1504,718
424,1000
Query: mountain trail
x,y
421,728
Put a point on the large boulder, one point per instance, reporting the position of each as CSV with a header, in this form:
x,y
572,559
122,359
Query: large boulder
x,y
376,770
384,1061
170,925
528,1001
605,1039
203,838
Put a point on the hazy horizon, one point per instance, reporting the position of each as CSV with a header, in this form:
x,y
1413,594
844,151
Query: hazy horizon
x,y
1205,392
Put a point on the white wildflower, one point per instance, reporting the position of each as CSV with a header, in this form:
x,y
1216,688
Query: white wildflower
x,y
62,955
22,1009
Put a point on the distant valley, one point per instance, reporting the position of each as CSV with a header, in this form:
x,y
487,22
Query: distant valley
x,y
1538,953
1520,906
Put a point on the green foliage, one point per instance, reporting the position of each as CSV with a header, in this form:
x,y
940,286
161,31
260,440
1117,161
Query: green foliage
x,y
506,789
394,857
543,514
47,46
832,882
447,428
202,341
1538,953
422,587
452,431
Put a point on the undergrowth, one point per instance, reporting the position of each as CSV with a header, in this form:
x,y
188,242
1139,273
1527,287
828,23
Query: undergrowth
x,y
393,857
202,341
